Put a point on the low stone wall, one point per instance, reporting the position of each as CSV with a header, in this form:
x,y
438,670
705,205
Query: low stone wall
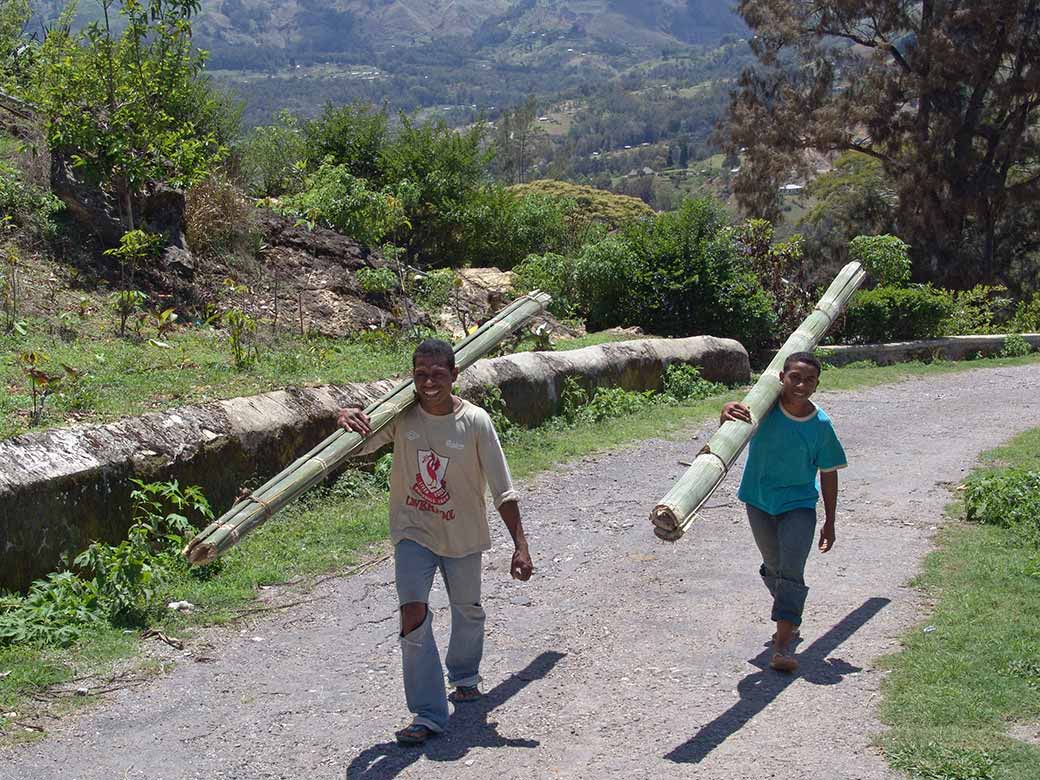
x,y
62,488
950,348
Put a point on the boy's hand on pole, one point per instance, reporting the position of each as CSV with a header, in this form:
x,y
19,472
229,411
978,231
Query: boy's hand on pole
x,y
827,535
737,411
354,419
521,568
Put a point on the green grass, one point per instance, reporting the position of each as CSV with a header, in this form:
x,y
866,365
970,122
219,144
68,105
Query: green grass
x,y
953,691
132,376
592,339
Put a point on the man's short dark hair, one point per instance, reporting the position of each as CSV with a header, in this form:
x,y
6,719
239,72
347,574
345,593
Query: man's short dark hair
x,y
803,357
437,349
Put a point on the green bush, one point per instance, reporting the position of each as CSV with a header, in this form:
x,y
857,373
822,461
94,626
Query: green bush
x,y
377,281
688,278
1027,316
896,314
554,274
886,258
683,382
1015,346
270,158
334,198
26,205
982,309
122,580
604,273
433,291
1009,499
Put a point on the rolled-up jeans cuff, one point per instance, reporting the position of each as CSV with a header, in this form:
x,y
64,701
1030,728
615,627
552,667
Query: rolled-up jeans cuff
x,y
467,682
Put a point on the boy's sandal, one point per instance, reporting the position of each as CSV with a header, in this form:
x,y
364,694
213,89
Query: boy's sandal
x,y
464,693
415,734
783,662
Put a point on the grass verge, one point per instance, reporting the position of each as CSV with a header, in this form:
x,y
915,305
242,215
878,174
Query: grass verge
x,y
958,684
332,529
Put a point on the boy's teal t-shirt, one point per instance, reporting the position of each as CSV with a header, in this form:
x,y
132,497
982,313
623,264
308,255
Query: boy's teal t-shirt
x,y
784,457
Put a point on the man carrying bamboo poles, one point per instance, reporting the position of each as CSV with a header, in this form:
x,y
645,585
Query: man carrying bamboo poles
x,y
793,443
445,451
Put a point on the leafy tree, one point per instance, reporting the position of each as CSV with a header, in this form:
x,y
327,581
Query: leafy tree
x,y
335,198
943,95
271,158
886,258
439,175
125,106
515,141
353,135
853,198
14,15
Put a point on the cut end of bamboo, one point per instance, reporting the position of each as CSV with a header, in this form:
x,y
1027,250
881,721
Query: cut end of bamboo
x,y
666,525
199,553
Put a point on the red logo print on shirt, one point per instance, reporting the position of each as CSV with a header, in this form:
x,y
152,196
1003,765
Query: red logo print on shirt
x,y
429,482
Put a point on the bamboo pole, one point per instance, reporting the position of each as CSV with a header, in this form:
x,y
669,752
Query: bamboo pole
x,y
678,509
315,466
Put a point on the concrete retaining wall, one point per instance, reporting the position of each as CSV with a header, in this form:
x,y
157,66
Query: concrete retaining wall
x,y
60,489
950,348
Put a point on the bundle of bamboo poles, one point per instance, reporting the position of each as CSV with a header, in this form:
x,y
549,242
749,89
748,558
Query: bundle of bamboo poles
x,y
313,467
678,509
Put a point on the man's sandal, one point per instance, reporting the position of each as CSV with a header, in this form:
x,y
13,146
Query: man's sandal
x,y
464,694
415,734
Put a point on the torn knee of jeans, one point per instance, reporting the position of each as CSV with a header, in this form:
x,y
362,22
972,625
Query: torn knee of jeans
x,y
410,620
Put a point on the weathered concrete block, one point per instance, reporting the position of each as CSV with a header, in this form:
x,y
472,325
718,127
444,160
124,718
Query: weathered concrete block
x,y
62,488
950,348
531,382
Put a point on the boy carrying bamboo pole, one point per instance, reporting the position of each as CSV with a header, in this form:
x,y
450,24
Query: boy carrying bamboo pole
x,y
793,443
445,451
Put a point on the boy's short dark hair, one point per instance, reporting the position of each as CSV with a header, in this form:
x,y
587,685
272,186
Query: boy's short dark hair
x,y
803,357
437,349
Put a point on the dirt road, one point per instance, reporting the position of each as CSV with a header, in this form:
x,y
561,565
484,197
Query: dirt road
x,y
624,657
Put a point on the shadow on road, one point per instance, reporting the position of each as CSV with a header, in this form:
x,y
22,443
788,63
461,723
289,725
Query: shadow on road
x,y
760,688
467,728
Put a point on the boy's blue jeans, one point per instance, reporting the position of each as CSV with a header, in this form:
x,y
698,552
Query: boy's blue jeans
x,y
414,568
784,541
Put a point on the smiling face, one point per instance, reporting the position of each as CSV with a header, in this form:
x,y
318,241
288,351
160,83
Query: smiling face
x,y
433,381
797,384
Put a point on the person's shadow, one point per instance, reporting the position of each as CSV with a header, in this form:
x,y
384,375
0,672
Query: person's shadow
x,y
468,728
760,688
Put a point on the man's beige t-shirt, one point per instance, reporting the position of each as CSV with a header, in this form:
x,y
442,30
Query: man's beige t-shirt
x,y
441,465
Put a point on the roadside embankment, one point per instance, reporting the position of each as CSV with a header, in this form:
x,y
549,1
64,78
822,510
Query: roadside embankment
x,y
60,489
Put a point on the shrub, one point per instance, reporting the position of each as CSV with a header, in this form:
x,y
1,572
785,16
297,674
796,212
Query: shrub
x,y
1009,499
896,314
376,281
433,291
26,205
270,159
553,273
335,198
603,281
683,382
688,278
886,258
982,309
1015,346
1027,316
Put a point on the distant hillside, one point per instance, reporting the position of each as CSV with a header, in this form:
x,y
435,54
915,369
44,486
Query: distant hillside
x,y
238,31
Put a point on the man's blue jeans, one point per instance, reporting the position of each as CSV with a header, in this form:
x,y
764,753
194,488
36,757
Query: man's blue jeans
x,y
784,541
414,568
